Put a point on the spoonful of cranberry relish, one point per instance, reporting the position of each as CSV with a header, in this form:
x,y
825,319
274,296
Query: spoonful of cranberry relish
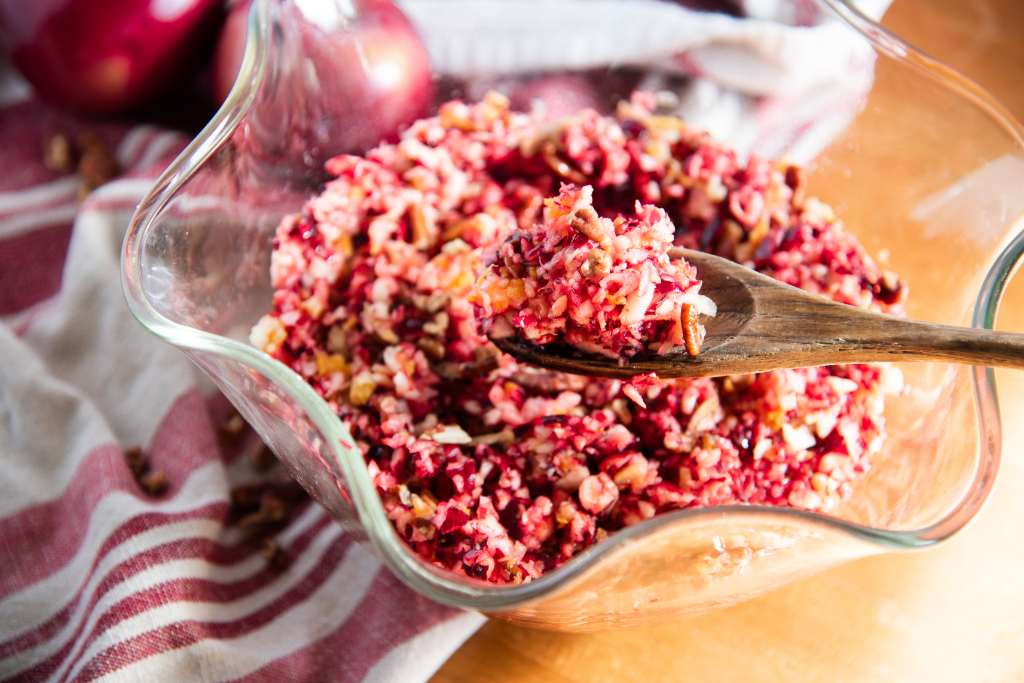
x,y
591,295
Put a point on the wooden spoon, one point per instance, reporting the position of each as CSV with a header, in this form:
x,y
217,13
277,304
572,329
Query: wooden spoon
x,y
763,324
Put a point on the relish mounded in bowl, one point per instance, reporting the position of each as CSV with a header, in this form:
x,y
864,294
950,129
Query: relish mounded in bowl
x,y
894,161
502,471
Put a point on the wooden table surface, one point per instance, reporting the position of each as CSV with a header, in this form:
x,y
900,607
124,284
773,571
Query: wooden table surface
x,y
952,613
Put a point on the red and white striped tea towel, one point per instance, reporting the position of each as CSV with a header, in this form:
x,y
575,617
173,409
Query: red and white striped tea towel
x,y
100,579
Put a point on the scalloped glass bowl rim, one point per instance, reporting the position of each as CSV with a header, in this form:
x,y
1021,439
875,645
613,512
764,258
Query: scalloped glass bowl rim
x,y
441,585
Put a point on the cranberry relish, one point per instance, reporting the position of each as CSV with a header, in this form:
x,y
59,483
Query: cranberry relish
x,y
601,285
502,471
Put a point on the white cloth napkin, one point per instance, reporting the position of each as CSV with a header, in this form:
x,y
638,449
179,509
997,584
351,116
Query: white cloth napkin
x,y
765,83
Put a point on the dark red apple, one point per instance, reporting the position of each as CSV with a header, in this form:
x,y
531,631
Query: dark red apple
x,y
105,56
372,70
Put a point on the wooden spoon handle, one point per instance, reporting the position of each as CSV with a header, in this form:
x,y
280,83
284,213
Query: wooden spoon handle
x,y
844,334
908,340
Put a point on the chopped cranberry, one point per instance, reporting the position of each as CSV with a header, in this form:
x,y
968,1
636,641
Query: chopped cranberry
x,y
597,493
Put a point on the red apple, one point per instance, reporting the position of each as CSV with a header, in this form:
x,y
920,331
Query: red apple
x,y
105,57
372,69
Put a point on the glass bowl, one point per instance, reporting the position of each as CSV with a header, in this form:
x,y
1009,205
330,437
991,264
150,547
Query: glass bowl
x,y
942,199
